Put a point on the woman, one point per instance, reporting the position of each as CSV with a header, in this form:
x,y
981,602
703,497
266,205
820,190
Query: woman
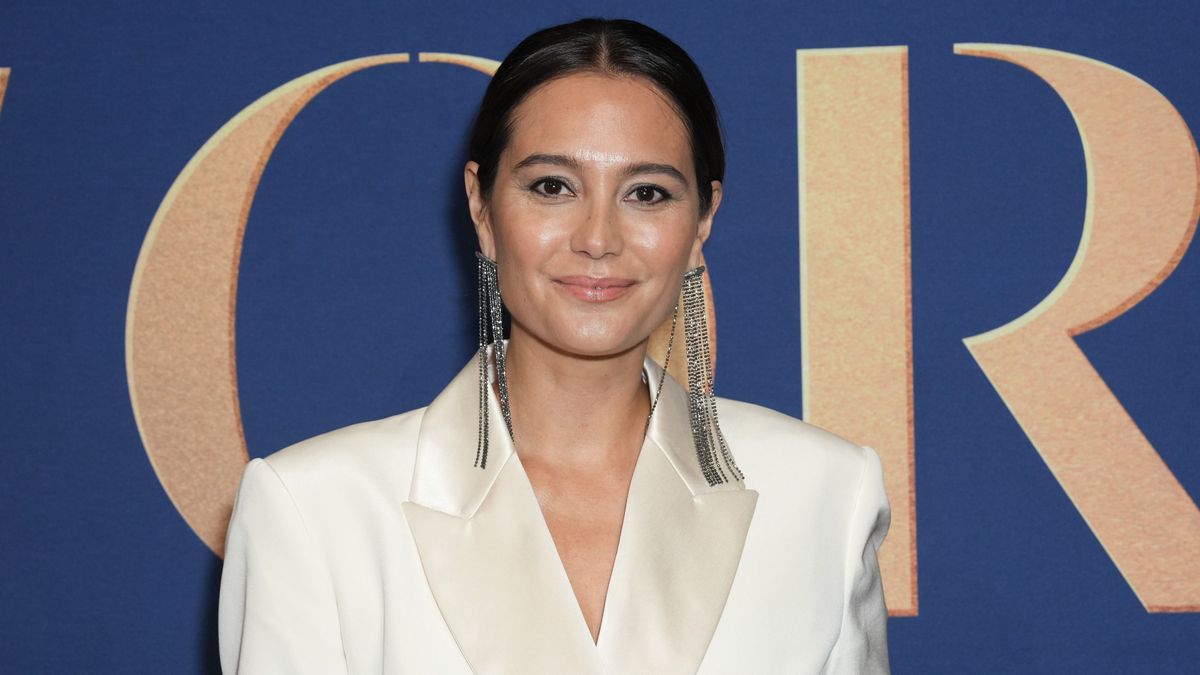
x,y
563,506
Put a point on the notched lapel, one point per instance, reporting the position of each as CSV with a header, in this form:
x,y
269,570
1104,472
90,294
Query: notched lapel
x,y
484,547
499,584
497,578
680,547
445,477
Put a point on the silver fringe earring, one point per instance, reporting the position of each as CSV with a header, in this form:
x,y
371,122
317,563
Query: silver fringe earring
x,y
491,331
665,367
711,448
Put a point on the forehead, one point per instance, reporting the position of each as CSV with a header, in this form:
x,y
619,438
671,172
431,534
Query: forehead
x,y
600,118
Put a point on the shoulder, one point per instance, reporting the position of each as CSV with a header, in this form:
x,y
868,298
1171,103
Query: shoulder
x,y
813,485
773,447
354,457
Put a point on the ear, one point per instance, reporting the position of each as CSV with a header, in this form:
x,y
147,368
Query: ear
x,y
479,209
705,225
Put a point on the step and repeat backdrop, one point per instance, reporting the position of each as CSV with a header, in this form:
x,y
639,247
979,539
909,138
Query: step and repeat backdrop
x,y
956,232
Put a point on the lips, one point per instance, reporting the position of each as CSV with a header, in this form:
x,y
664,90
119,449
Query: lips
x,y
595,289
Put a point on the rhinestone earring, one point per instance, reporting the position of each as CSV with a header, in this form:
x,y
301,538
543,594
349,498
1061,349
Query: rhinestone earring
x,y
711,448
491,332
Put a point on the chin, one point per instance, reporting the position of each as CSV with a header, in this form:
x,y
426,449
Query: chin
x,y
596,340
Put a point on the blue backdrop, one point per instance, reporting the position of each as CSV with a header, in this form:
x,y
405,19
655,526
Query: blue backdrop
x,y
355,288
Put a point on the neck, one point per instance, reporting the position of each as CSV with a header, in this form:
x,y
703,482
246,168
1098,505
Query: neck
x,y
571,410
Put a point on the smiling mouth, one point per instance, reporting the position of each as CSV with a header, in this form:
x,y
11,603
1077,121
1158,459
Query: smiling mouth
x,y
595,289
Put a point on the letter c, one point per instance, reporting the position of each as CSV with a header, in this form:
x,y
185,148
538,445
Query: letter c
x,y
179,328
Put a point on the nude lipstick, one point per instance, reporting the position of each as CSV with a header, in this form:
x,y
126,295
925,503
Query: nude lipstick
x,y
595,289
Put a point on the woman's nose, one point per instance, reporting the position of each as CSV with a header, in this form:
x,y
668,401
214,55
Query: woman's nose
x,y
599,233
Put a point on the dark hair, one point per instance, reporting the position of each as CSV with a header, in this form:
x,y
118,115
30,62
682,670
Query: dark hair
x,y
618,47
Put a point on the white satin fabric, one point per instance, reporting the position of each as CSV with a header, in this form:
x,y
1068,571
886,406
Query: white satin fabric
x,y
380,548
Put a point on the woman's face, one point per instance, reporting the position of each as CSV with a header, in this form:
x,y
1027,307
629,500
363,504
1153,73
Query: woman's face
x,y
594,215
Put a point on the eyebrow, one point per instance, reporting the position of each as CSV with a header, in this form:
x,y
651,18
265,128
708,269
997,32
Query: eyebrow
x,y
627,170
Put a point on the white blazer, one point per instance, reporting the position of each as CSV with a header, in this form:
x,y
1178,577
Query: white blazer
x,y
380,548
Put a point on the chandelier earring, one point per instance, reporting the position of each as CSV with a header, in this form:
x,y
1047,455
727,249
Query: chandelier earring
x,y
491,334
716,461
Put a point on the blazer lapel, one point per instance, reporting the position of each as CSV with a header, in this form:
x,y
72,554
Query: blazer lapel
x,y
485,549
679,549
496,576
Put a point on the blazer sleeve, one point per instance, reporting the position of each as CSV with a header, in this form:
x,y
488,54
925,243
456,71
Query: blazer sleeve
x,y
861,646
277,611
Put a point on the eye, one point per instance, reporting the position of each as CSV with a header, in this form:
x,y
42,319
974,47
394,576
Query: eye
x,y
550,187
649,194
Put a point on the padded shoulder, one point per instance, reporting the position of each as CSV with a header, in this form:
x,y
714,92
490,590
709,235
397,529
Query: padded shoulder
x,y
768,443
378,451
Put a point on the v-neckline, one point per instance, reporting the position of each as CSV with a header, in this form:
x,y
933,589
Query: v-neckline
x,y
621,536
491,565
548,536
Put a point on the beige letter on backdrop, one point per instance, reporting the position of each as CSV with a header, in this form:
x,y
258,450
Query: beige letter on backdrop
x,y
855,298
1141,214
179,328
4,72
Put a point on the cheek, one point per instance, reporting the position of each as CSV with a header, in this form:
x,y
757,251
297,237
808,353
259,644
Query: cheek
x,y
665,242
527,243
526,237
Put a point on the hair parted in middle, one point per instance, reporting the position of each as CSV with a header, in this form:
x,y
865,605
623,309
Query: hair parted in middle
x,y
616,47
